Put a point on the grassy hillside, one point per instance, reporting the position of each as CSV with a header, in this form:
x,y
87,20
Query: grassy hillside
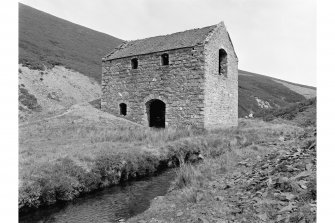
x,y
46,39
303,113
63,157
269,91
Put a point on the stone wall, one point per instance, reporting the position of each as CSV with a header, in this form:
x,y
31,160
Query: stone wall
x,y
221,91
179,85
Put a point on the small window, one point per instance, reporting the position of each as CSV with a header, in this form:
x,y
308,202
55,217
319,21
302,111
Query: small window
x,y
123,109
223,62
165,59
134,63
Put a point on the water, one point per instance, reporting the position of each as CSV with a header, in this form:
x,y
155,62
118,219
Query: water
x,y
108,205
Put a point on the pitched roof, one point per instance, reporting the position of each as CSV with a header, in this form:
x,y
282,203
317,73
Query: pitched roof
x,y
177,40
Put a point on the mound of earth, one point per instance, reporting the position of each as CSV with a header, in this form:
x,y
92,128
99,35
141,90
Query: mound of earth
x,y
281,187
48,92
302,113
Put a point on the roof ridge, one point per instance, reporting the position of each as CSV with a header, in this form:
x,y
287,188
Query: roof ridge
x,y
122,45
171,33
210,34
176,40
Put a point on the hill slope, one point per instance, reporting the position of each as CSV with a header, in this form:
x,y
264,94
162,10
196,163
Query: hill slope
x,y
45,40
257,92
302,113
53,91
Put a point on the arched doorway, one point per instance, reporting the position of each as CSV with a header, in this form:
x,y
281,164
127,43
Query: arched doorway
x,y
156,113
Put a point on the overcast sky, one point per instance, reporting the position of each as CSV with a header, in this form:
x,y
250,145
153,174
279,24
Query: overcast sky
x,y
271,37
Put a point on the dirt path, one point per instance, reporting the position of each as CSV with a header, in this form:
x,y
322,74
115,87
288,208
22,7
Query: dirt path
x,y
70,109
76,107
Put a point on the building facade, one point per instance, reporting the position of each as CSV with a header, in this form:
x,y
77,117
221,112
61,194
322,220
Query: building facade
x,y
183,79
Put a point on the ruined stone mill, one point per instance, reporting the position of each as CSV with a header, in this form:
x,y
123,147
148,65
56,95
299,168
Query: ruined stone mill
x,y
187,78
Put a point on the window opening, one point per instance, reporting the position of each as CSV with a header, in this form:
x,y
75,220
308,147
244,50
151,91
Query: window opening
x,y
134,63
165,59
223,62
123,109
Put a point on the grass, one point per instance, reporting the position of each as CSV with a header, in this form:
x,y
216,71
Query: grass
x,y
46,41
212,190
61,158
225,148
266,88
292,112
188,176
28,100
64,157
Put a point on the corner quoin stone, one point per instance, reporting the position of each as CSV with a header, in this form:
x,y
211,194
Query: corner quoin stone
x,y
194,91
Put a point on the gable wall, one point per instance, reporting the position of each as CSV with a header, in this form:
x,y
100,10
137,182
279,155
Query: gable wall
x,y
221,93
180,86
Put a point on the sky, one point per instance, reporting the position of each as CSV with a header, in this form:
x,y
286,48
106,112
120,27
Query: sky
x,y
272,37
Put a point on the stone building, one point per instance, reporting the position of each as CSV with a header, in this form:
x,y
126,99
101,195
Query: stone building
x,y
183,79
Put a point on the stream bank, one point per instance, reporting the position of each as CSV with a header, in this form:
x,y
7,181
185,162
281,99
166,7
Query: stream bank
x,y
108,205
65,180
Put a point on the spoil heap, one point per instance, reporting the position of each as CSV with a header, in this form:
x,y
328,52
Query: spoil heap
x,y
279,188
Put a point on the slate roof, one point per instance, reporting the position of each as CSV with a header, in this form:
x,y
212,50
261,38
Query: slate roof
x,y
177,40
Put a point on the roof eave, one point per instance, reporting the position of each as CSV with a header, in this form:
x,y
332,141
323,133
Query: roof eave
x,y
122,45
160,51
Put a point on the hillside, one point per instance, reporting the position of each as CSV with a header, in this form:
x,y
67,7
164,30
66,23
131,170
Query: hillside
x,y
46,41
302,113
50,92
257,92
69,148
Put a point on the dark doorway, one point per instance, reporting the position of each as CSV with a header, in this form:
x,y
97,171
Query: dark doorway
x,y
156,113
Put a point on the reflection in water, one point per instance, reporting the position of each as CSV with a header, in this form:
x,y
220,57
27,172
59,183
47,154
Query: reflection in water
x,y
108,205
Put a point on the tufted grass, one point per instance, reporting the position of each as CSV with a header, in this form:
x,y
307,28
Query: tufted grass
x,y
62,158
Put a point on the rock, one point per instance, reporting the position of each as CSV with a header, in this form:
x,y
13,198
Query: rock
x,y
302,184
193,158
226,187
287,208
170,163
301,175
308,166
199,197
54,96
219,198
263,217
180,213
123,162
243,163
202,220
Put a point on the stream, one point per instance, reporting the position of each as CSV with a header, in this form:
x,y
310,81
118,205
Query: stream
x,y
108,205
